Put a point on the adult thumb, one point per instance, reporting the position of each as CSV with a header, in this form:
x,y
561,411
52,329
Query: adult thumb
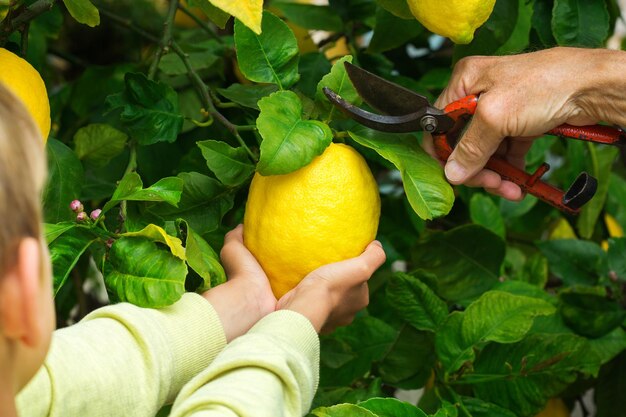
x,y
473,150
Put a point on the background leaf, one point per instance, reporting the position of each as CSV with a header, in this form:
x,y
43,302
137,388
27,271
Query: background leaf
x,y
230,165
149,109
268,57
65,179
580,23
99,143
83,11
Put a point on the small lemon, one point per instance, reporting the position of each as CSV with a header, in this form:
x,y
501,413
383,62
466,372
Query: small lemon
x,y
325,212
554,408
454,19
25,82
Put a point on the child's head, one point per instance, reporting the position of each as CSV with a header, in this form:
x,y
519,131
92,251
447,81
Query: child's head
x,y
26,307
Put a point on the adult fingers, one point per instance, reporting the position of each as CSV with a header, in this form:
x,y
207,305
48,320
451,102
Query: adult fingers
x,y
480,141
508,190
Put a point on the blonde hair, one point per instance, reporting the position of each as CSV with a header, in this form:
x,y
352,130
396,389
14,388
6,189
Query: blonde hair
x,y
22,177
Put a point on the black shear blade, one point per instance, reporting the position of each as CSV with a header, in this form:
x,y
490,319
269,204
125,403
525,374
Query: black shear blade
x,y
384,95
393,124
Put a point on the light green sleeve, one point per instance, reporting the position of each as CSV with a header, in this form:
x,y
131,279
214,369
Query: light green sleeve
x,y
271,371
123,360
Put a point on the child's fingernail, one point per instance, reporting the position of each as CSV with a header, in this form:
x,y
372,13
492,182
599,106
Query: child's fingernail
x,y
455,172
377,243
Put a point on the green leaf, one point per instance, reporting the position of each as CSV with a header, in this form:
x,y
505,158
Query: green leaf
x,y
65,179
610,345
428,192
142,274
203,203
392,32
523,376
485,212
366,340
247,95
534,271
130,188
415,302
602,159
172,64
541,21
409,362
202,258
150,109
338,81
520,37
53,231
310,16
465,260
158,234
99,143
343,410
271,57
65,251
480,408
495,317
289,142
313,67
610,388
217,16
575,261
391,407
589,313
617,260
580,23
230,165
83,11
398,8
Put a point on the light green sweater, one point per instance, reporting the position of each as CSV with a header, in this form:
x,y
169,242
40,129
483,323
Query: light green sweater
x,y
124,361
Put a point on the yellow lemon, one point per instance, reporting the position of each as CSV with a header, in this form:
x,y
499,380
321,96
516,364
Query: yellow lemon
x,y
454,19
555,408
325,212
25,82
614,229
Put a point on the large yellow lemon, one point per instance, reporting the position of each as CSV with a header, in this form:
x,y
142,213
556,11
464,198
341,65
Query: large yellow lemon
x,y
325,212
25,82
454,19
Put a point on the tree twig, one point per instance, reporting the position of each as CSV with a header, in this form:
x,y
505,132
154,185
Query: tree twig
x,y
13,23
197,82
202,24
165,40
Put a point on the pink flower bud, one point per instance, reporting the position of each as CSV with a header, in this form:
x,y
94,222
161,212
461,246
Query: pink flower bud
x,y
76,206
95,214
110,243
81,217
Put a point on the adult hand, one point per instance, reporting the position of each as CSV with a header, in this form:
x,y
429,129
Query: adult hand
x,y
523,96
331,295
247,296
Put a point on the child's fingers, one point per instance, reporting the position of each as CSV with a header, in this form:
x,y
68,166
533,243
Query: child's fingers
x,y
234,255
355,270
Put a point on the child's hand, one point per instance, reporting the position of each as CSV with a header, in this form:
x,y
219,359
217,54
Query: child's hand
x,y
247,296
331,295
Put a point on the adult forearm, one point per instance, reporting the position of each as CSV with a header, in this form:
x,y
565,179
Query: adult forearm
x,y
603,97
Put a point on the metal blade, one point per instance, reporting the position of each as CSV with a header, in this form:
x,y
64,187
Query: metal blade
x,y
384,95
394,124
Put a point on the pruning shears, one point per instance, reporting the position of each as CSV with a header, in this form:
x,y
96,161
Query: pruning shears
x,y
406,111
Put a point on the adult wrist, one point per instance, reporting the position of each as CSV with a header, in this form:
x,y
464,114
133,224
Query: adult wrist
x,y
601,92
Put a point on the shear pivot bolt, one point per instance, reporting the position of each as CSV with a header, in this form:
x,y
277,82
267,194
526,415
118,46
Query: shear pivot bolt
x,y
429,123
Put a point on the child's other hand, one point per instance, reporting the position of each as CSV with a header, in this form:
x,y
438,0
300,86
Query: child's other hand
x,y
247,296
331,295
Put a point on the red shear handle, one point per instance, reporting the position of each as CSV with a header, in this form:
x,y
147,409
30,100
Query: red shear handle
x,y
596,133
